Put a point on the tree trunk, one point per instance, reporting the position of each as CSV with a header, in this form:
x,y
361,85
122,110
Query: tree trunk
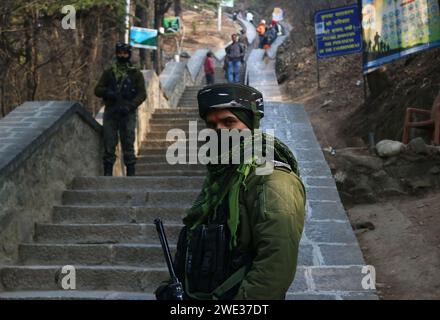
x,y
177,8
160,8
144,20
31,56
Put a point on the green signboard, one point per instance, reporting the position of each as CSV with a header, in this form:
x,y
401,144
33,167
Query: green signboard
x,y
396,28
172,25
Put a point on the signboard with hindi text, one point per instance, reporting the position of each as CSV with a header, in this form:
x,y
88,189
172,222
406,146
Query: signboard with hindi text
x,y
338,31
395,28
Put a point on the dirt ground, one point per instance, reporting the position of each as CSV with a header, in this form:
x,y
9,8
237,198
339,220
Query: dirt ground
x,y
341,89
404,246
200,31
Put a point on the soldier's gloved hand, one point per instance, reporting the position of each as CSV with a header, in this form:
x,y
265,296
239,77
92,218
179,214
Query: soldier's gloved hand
x,y
110,95
124,110
167,291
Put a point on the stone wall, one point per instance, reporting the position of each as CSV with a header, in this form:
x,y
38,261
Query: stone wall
x,y
195,67
178,75
155,99
43,146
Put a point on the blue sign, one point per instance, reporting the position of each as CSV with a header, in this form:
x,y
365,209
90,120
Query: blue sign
x,y
143,38
338,32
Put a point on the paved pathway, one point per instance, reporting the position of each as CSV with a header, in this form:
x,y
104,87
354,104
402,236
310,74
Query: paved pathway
x,y
330,263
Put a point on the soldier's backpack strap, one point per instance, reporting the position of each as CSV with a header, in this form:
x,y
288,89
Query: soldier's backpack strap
x,y
231,282
218,293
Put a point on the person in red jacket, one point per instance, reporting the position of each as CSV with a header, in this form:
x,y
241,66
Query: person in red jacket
x,y
210,68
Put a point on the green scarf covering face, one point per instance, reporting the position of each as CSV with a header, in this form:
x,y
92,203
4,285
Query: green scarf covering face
x,y
121,70
227,179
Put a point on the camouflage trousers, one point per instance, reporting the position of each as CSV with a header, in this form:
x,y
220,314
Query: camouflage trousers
x,y
117,126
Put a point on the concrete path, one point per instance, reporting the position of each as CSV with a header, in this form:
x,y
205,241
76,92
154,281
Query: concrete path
x,y
330,262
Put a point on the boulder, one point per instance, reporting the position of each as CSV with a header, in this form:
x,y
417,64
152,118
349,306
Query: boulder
x,y
418,146
389,148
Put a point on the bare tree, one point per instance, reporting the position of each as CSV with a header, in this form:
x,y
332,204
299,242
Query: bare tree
x,y
178,8
160,8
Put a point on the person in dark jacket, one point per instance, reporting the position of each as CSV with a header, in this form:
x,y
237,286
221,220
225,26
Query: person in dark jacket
x,y
122,88
235,53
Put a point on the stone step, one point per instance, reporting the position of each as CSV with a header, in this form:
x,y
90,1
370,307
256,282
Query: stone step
x,y
189,106
177,123
168,126
160,159
151,159
193,89
178,110
75,295
103,233
162,133
87,278
182,173
153,167
122,197
136,183
148,151
189,98
187,103
136,255
175,116
162,143
156,135
117,214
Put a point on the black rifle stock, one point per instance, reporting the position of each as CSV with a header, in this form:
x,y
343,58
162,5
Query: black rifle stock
x,y
175,286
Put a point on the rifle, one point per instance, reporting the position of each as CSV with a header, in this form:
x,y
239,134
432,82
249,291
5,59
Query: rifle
x,y
175,287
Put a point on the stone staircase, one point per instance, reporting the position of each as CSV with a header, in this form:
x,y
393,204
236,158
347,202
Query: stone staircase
x,y
104,225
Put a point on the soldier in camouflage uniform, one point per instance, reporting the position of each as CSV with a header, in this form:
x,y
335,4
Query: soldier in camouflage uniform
x,y
241,236
122,88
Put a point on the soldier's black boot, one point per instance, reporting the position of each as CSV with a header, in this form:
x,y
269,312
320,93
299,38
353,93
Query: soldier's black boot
x,y
130,170
108,169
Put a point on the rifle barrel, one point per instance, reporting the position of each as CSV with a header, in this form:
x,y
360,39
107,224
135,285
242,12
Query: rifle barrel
x,y
166,249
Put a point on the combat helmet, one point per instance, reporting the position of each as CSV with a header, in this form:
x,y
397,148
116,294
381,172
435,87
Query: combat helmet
x,y
231,96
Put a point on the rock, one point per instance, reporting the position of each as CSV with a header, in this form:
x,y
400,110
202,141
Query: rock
x,y
364,225
418,146
420,183
368,162
433,149
389,148
435,170
326,103
390,161
340,176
